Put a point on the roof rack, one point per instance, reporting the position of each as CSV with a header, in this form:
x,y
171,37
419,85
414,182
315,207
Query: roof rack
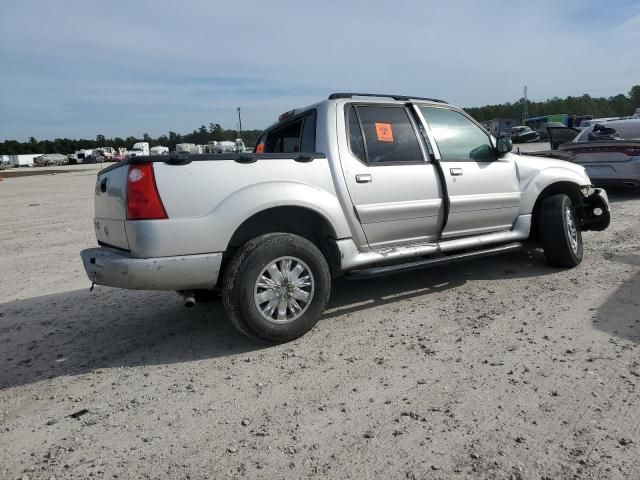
x,y
334,96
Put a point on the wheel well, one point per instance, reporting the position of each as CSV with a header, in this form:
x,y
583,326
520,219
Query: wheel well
x,y
296,220
570,189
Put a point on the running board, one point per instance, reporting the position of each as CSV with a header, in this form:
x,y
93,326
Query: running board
x,y
432,262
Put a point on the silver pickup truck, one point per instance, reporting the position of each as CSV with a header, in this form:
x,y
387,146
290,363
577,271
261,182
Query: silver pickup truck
x,y
357,184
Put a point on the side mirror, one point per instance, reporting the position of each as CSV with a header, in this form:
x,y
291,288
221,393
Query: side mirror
x,y
505,145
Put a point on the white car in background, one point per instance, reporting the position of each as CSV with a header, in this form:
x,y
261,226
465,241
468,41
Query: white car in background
x,y
609,150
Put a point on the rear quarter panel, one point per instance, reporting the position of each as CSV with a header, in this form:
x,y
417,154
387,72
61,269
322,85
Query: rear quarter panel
x,y
206,201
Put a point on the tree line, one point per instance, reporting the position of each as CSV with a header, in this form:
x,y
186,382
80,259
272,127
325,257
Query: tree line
x,y
201,136
616,106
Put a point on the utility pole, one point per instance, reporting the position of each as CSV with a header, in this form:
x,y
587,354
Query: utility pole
x,y
239,123
525,111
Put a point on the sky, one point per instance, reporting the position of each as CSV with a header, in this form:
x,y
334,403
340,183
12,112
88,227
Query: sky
x,y
77,68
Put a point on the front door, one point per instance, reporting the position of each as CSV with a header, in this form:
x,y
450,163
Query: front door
x,y
393,186
484,190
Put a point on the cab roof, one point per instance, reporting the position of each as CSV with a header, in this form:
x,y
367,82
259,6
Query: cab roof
x,y
404,98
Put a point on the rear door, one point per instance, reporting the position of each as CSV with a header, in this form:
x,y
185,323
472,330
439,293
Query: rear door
x,y
392,183
484,190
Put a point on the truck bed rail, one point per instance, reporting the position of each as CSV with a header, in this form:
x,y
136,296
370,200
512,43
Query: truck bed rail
x,y
184,159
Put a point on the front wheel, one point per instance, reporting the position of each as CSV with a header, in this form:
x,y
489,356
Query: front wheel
x,y
276,286
560,232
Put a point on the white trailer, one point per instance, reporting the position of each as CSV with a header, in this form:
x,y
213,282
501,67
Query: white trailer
x,y
24,160
84,156
139,149
159,150
188,148
226,146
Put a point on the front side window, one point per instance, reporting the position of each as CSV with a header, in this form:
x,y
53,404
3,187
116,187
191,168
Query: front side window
x,y
382,135
458,138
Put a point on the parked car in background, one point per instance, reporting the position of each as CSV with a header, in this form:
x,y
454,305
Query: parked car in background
x,y
50,159
121,157
593,121
104,154
610,151
524,134
72,158
500,127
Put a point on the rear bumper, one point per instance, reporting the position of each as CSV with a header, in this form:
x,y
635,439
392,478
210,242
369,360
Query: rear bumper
x,y
114,268
617,182
608,174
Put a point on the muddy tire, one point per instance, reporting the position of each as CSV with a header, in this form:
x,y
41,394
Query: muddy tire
x,y
559,231
275,287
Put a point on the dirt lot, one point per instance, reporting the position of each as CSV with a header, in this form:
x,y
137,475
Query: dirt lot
x,y
498,368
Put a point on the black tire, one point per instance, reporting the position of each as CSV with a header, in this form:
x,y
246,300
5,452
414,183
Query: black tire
x,y
243,271
561,236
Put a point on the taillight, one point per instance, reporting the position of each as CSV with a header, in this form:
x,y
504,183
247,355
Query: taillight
x,y
143,199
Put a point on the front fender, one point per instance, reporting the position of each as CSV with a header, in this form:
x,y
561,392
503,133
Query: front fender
x,y
536,183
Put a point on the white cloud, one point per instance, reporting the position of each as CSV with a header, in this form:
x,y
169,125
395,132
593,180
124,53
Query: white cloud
x,y
107,64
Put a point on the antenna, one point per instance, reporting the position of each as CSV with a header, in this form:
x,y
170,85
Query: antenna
x,y
239,123
525,110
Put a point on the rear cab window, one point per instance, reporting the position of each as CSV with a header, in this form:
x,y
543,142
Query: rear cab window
x,y
294,135
382,135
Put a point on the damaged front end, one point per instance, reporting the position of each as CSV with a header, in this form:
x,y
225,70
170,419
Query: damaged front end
x,y
594,211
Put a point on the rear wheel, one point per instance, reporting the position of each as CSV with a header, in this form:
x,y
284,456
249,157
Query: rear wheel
x,y
560,232
276,286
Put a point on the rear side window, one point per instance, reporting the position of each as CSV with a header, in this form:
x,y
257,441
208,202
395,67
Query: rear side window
x,y
298,135
383,135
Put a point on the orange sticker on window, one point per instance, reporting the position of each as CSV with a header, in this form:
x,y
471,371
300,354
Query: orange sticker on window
x,y
384,132
260,148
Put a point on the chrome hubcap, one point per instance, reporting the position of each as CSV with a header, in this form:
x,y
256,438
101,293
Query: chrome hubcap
x,y
571,230
284,290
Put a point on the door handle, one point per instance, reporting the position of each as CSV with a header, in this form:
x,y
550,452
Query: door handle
x,y
363,178
455,171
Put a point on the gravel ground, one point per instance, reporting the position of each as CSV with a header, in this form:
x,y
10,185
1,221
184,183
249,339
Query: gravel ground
x,y
497,368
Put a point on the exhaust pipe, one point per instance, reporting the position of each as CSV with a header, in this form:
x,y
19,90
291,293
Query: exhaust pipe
x,y
189,299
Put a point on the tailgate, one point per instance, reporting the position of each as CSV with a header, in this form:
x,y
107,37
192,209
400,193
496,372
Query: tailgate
x,y
110,207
